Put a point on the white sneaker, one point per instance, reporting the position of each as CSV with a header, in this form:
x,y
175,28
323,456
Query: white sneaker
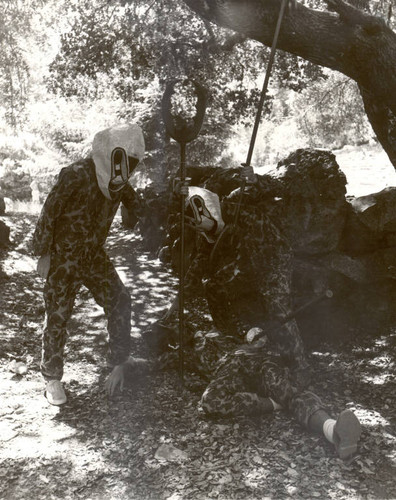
x,y
54,393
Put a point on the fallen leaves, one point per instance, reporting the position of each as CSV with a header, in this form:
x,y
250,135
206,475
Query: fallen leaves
x,y
170,453
150,443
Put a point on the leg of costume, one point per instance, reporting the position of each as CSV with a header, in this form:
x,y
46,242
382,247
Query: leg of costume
x,y
59,293
277,301
243,384
223,304
106,286
278,387
228,393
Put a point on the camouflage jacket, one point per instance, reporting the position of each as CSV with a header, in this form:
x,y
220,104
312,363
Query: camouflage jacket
x,y
252,249
76,214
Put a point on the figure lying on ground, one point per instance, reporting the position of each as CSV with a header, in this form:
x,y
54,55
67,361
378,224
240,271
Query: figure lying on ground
x,y
69,238
255,382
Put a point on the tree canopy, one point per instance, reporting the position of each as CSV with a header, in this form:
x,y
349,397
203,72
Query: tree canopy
x,y
348,40
69,68
138,47
137,42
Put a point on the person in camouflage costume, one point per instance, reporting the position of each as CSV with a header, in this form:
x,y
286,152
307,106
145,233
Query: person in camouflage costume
x,y
69,238
245,272
243,382
255,383
250,380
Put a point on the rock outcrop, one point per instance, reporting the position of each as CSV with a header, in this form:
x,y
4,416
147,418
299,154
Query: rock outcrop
x,y
4,235
340,243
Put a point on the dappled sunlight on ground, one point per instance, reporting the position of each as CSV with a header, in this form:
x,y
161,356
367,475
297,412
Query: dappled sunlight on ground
x,y
370,418
378,379
100,448
18,263
152,290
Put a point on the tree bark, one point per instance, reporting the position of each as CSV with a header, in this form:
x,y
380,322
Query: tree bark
x,y
383,121
347,40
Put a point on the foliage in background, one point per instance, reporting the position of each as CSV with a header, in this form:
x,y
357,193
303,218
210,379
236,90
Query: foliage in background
x,y
150,44
325,128
14,68
25,159
70,69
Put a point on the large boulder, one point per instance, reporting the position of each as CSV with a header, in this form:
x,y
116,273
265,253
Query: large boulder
x,y
364,293
361,271
377,211
370,223
313,201
343,244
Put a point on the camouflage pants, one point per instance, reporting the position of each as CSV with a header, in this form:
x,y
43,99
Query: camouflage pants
x,y
243,382
67,274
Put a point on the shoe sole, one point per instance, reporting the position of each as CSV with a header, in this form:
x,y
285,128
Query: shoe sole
x,y
347,433
55,402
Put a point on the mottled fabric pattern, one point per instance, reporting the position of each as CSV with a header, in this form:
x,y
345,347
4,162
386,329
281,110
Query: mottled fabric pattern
x,y
242,382
72,228
209,349
76,215
247,278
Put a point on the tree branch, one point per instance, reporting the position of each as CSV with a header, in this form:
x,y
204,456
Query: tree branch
x,y
353,16
352,42
383,122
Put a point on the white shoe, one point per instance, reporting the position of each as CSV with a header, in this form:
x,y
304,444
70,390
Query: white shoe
x,y
54,393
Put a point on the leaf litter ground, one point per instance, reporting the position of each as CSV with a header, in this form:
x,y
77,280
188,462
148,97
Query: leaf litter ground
x,y
100,448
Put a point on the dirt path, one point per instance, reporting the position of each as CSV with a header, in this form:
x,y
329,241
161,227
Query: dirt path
x,y
96,448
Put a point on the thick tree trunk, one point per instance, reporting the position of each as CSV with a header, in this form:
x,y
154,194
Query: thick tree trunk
x,y
361,46
383,121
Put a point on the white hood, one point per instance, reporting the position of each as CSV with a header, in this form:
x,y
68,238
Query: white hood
x,y
212,208
127,136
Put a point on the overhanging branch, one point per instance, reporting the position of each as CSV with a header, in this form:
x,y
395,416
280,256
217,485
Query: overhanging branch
x,y
356,44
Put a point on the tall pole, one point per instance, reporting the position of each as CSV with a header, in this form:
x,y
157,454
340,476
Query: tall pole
x,y
181,272
266,81
261,105
183,133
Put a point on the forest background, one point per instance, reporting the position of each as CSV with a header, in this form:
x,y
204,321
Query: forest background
x,y
69,69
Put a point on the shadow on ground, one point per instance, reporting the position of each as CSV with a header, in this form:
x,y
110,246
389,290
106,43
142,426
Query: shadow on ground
x,y
100,448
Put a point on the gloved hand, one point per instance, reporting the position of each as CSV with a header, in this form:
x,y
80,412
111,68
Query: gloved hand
x,y
179,187
247,173
115,379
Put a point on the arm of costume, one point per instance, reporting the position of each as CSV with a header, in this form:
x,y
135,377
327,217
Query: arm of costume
x,y
68,181
133,203
197,270
131,200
